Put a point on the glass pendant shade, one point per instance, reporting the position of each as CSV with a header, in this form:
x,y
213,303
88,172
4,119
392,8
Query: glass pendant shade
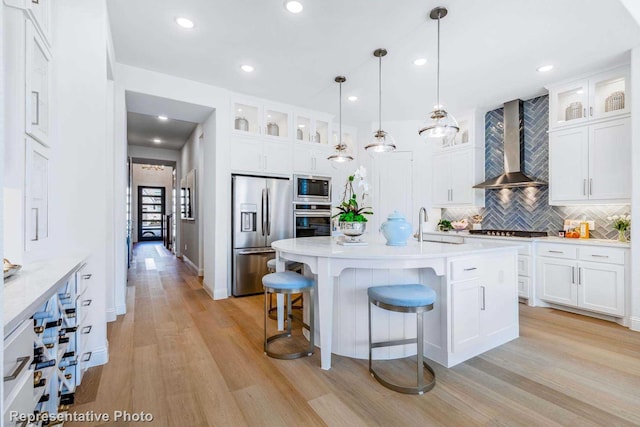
x,y
340,155
382,142
440,125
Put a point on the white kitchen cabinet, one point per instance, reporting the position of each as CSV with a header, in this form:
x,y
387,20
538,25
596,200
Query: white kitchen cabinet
x,y
591,163
595,97
17,371
565,279
38,12
37,85
259,156
311,159
277,122
454,173
483,301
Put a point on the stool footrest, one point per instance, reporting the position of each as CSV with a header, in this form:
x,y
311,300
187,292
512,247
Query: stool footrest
x,y
419,389
393,343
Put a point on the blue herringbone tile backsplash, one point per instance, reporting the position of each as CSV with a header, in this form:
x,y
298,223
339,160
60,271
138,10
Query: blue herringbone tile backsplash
x,y
528,208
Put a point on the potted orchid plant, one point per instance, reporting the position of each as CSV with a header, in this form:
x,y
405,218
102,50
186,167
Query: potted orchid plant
x,y
352,209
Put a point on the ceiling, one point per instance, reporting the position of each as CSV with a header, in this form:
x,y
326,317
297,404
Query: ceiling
x,y
143,125
489,49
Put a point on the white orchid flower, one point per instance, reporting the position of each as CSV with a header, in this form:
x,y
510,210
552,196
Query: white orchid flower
x,y
361,172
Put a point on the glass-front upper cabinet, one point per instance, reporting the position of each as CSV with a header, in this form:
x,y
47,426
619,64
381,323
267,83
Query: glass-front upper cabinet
x,y
303,128
247,118
276,122
609,93
321,134
597,97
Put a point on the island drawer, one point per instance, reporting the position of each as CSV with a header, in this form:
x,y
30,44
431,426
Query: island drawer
x,y
600,254
557,251
464,269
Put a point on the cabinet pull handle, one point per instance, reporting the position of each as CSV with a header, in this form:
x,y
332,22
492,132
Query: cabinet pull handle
x,y
470,269
591,111
86,276
87,329
591,186
484,301
86,357
599,256
555,252
579,275
584,112
22,362
584,187
573,275
86,302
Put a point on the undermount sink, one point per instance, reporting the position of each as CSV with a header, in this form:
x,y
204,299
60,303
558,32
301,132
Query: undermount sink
x,y
453,240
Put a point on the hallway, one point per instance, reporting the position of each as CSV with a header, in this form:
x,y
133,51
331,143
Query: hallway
x,y
192,361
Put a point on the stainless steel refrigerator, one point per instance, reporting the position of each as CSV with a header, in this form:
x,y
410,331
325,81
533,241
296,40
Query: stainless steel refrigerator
x,y
262,214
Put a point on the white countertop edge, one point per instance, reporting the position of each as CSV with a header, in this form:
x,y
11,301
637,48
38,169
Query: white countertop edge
x,y
327,247
32,286
547,239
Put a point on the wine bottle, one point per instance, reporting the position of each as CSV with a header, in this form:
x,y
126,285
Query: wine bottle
x,y
67,398
68,329
63,340
40,383
68,354
44,398
70,312
45,364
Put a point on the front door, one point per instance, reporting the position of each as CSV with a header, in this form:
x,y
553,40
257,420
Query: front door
x,y
151,205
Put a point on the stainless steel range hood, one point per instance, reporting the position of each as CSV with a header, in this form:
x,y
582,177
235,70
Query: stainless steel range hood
x,y
513,153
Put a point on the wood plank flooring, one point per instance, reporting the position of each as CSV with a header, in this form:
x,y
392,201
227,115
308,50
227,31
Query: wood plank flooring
x,y
192,361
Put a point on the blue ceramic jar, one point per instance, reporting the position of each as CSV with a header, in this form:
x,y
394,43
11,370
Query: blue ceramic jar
x,y
396,229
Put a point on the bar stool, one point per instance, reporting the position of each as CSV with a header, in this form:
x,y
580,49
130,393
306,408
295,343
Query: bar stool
x,y
287,283
292,266
403,299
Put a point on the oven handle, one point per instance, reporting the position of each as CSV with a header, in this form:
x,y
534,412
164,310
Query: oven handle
x,y
314,214
257,251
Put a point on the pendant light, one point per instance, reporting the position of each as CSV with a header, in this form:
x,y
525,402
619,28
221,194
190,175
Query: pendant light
x,y
440,124
382,142
340,155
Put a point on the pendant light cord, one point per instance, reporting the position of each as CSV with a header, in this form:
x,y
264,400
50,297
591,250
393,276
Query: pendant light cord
x,y
438,68
380,92
340,114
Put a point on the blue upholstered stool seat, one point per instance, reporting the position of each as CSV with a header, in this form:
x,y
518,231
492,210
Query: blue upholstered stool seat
x,y
403,295
413,298
271,264
286,280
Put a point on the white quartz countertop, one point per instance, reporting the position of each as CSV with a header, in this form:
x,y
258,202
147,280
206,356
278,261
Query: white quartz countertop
x,y
32,286
548,239
377,249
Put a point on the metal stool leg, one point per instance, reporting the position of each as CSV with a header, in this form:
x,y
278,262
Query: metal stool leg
x,y
287,333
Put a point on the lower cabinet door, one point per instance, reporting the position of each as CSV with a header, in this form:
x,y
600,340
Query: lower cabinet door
x,y
601,287
498,297
558,281
465,315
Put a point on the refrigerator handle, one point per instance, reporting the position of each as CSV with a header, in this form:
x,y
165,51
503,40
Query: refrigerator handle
x,y
268,213
264,216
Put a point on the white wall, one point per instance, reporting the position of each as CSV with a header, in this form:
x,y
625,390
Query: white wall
x,y
191,157
2,201
635,188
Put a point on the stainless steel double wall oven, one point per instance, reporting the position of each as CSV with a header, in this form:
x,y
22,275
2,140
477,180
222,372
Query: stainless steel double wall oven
x,y
311,206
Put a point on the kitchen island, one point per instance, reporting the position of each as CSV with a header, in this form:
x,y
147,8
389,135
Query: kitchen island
x,y
476,285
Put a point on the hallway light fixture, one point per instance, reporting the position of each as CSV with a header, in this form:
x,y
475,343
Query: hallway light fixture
x,y
440,124
382,142
340,155
153,167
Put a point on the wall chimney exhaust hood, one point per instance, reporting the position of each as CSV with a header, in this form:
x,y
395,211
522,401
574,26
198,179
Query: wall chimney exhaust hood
x,y
513,153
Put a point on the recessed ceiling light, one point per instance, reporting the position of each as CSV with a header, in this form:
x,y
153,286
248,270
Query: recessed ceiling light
x,y
163,118
293,6
352,98
580,92
246,68
185,22
157,140
419,61
301,126
545,68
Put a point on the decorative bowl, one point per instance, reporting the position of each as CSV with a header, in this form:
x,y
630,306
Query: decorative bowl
x,y
10,269
460,225
352,229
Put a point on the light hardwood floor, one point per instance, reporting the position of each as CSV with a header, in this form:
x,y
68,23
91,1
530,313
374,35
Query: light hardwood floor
x,y
192,361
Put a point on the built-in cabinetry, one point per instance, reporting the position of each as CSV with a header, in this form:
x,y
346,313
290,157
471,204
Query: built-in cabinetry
x,y
586,277
52,335
458,164
590,140
483,302
280,140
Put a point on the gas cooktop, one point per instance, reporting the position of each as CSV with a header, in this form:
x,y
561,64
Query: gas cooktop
x,y
509,233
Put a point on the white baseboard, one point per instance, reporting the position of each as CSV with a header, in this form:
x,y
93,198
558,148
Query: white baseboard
x,y
111,315
220,294
99,356
121,309
190,264
635,324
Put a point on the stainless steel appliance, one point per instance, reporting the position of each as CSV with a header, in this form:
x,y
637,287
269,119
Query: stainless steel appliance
x,y
311,189
311,220
509,233
260,216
